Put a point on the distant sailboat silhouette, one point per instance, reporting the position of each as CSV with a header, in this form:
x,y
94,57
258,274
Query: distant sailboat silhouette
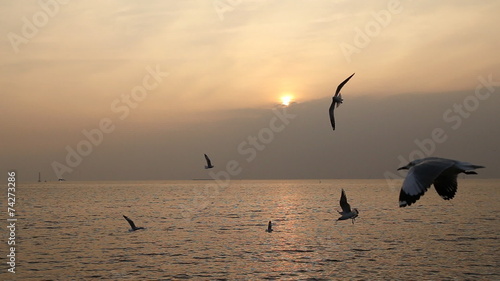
x,y
269,227
132,224
209,163
346,212
336,101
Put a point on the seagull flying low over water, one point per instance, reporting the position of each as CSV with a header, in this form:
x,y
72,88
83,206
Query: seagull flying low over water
x,y
432,170
132,224
269,227
209,163
336,101
346,213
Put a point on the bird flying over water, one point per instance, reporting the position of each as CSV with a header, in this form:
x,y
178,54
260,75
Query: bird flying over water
x,y
132,224
269,227
209,163
346,212
432,170
336,101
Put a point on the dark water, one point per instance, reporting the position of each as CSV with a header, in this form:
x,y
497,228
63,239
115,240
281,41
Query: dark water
x,y
198,230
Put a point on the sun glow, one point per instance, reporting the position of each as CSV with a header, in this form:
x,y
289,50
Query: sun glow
x,y
285,100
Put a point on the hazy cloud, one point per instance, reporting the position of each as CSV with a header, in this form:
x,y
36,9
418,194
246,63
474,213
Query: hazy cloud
x,y
81,56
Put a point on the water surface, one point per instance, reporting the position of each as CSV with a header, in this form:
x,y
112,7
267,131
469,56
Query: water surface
x,y
199,230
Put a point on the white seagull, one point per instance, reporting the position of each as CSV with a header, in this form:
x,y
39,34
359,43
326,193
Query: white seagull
x,y
132,224
336,101
347,213
432,170
209,163
269,227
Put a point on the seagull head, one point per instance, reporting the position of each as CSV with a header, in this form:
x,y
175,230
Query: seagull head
x,y
405,167
411,164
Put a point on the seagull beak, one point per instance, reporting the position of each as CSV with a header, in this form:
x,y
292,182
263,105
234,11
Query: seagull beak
x,y
403,168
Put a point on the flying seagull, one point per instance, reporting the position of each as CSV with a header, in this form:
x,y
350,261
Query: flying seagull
x,y
132,224
209,163
269,227
432,170
337,100
347,213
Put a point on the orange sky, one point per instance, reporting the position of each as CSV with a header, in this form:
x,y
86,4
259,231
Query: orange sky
x,y
66,65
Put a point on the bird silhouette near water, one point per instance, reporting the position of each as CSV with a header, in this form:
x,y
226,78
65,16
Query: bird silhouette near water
x,y
336,101
346,212
209,163
132,224
269,227
440,172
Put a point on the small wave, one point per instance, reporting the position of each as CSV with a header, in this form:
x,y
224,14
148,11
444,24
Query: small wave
x,y
361,250
182,276
297,251
232,216
202,258
332,260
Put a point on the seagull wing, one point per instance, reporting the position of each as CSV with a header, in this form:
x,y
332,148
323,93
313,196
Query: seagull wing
x,y
346,208
446,184
419,179
339,87
209,163
132,224
332,117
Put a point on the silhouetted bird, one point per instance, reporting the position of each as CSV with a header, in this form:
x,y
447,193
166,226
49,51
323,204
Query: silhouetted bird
x,y
432,170
209,163
269,227
347,213
132,224
336,101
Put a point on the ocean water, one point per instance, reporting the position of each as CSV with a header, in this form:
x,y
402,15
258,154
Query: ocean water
x,y
199,230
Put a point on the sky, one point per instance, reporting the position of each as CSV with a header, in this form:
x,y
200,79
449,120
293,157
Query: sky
x,y
140,90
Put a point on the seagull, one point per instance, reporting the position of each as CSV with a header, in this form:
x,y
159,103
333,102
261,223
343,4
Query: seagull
x,y
209,163
132,224
347,213
432,170
337,100
269,227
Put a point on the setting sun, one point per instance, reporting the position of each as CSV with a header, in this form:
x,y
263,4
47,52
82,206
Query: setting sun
x,y
285,100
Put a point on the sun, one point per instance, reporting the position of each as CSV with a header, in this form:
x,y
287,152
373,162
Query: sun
x,y
285,100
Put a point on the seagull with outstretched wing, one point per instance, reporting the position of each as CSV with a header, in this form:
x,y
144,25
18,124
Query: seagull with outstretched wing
x,y
440,172
209,163
336,101
346,212
132,224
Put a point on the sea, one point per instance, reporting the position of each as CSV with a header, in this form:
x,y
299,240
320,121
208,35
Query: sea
x,y
208,230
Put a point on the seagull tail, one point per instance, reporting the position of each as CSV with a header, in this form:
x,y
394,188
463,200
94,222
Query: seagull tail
x,y
470,168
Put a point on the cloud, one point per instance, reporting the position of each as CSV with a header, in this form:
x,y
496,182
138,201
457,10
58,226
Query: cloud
x,y
373,135
91,53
